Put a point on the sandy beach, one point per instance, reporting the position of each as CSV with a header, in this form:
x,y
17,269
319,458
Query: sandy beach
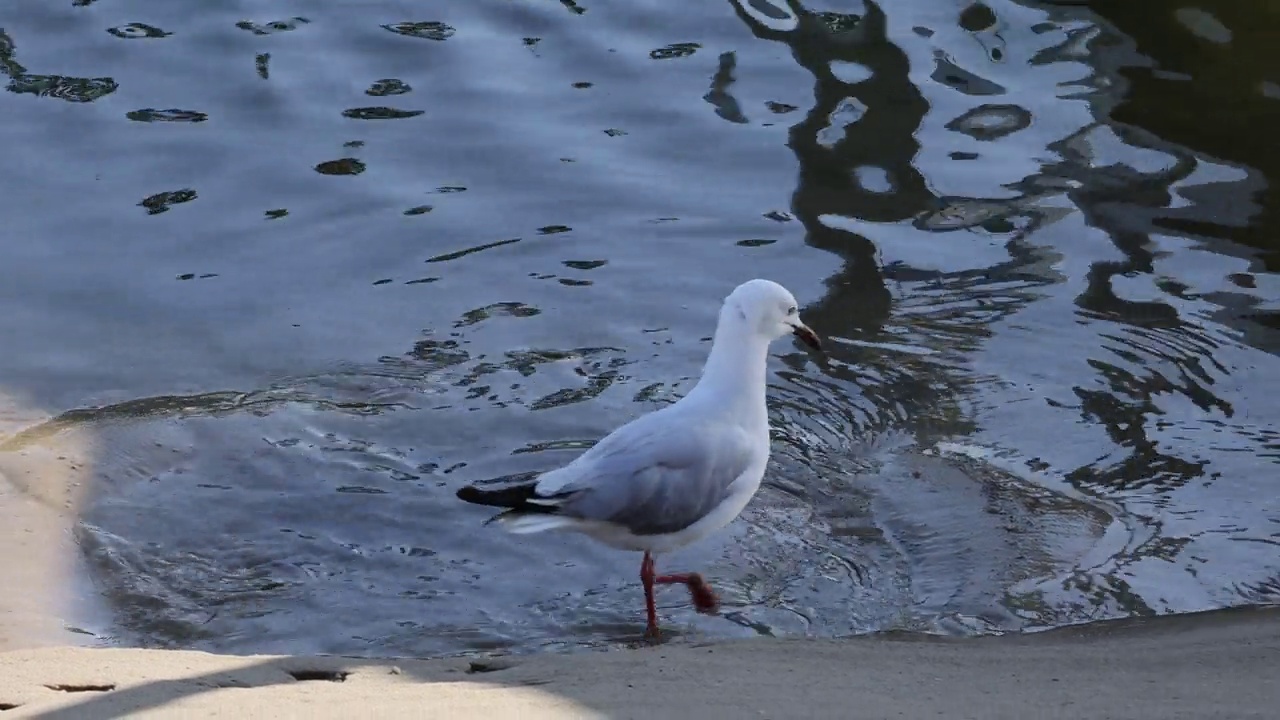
x,y
1210,665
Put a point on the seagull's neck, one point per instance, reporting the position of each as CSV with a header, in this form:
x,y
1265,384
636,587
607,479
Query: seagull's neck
x,y
734,375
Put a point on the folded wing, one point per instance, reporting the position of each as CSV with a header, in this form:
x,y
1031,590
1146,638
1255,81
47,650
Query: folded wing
x,y
650,478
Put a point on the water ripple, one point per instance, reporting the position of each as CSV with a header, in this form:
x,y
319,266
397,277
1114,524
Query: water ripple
x,y
428,30
136,31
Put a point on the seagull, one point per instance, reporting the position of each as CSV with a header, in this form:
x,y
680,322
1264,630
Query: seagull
x,y
675,475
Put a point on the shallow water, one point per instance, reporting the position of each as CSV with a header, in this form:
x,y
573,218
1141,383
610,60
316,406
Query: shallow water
x,y
301,271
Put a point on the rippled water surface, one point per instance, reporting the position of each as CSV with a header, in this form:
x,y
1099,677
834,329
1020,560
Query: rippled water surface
x,y
300,270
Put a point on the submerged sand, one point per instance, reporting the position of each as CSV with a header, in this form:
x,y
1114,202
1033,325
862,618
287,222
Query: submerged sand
x,y
1223,664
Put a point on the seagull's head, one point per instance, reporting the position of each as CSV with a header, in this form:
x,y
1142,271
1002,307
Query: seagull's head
x,y
771,310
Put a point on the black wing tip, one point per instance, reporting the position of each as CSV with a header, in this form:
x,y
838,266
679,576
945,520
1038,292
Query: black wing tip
x,y
471,494
505,491
511,497
505,497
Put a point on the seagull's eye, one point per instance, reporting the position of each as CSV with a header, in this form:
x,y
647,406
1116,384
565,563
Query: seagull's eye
x,y
791,310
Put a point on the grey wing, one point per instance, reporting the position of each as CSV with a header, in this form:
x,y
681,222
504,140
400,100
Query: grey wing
x,y
660,481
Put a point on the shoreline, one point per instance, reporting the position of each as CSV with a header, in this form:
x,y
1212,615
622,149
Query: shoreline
x,y
42,558
1214,664
40,554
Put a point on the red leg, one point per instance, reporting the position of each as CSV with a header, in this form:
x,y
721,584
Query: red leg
x,y
647,579
704,599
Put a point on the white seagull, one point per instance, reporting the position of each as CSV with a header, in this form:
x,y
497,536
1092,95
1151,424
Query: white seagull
x,y
675,475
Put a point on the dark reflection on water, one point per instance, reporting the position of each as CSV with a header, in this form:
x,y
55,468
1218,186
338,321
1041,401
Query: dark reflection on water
x,y
71,89
1046,276
1203,82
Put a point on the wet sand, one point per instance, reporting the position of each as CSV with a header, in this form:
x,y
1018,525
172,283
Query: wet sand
x,y
1218,664
43,482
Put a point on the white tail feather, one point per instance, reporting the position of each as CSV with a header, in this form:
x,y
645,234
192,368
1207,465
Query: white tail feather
x,y
524,524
